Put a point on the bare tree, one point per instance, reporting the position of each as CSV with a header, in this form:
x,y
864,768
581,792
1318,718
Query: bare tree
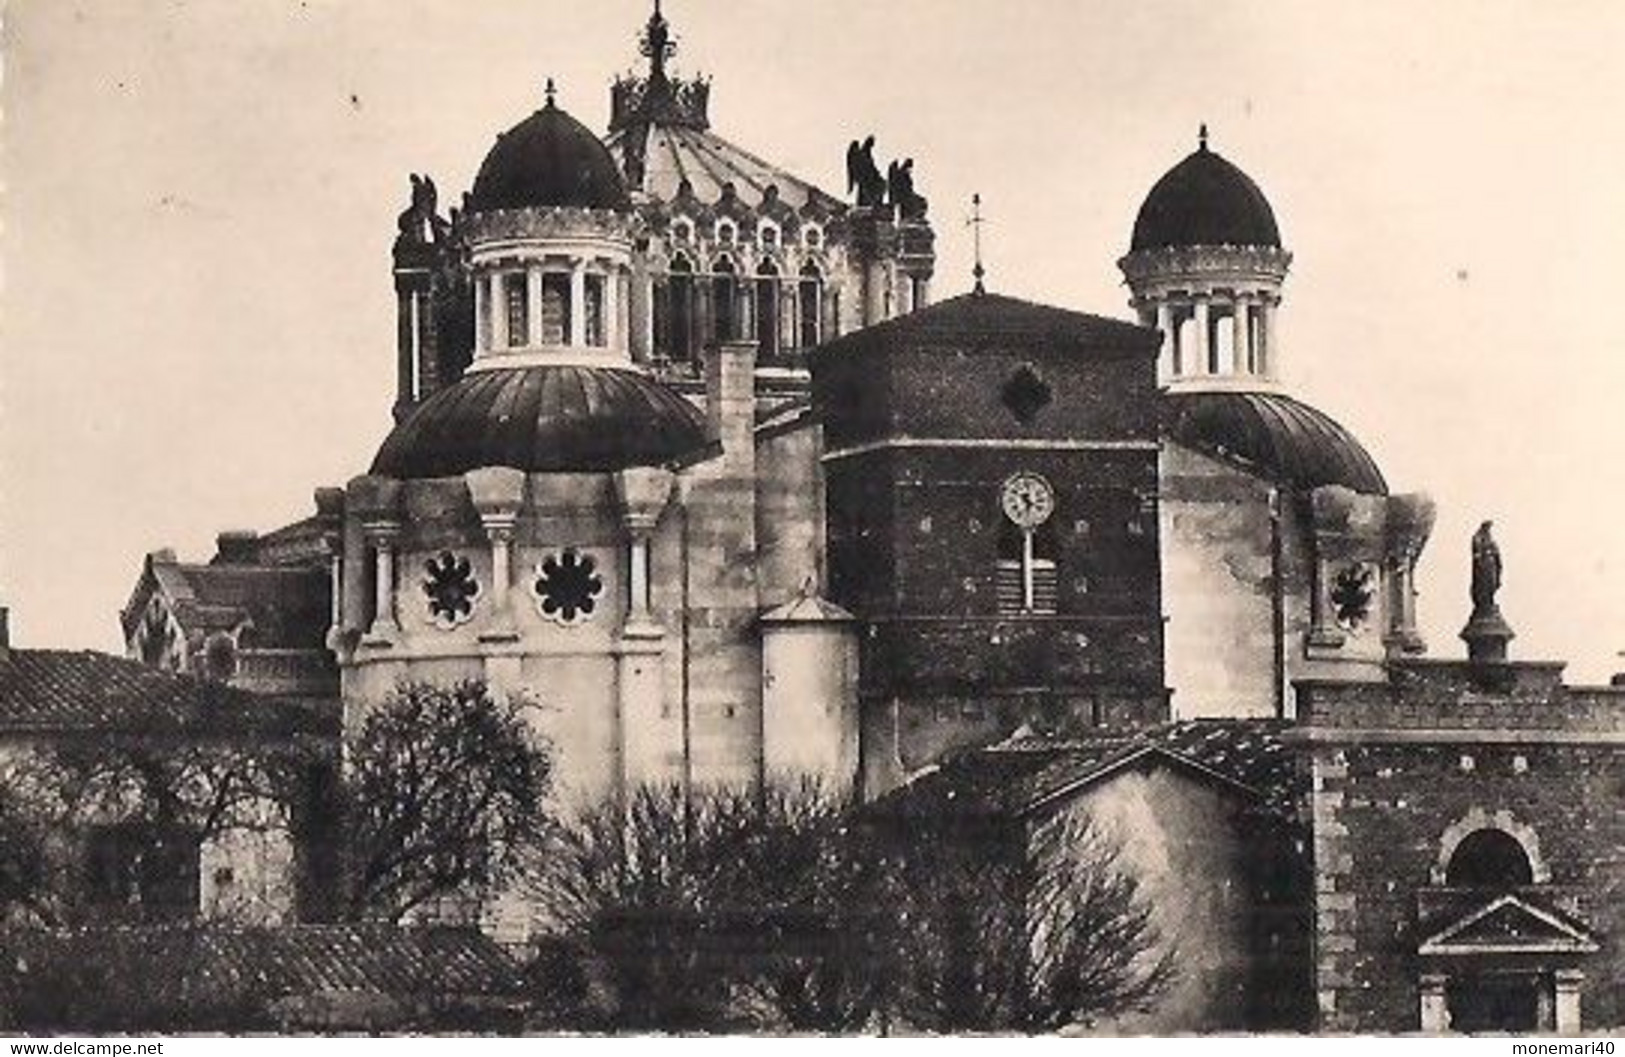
x,y
181,792
715,911
24,874
1000,926
739,909
444,792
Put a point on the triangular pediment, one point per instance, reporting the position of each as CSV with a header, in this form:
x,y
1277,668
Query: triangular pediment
x,y
1509,924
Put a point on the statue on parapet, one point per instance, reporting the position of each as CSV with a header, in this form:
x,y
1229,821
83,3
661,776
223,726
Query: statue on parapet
x,y
420,223
863,175
1486,570
900,185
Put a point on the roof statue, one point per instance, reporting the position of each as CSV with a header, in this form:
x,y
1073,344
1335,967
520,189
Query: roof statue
x,y
1487,632
1486,570
420,223
900,186
863,175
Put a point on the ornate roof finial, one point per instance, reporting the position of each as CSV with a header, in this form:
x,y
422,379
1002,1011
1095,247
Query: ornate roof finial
x,y
976,221
1201,138
550,91
657,44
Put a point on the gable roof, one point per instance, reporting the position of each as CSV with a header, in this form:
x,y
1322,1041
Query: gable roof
x,y
1509,924
1028,773
286,606
61,691
978,320
226,966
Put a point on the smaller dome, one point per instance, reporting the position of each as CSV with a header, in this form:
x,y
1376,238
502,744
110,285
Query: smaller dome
x,y
1205,201
1281,439
552,419
549,159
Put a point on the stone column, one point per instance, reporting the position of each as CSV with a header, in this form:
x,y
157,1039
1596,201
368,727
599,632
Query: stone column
x,y
623,320
640,337
533,295
705,328
745,308
642,493
1323,630
482,317
578,303
1240,343
1204,335
1566,1001
498,493
922,296
1170,342
610,310
1266,358
385,627
905,293
499,311
874,290
789,314
1435,1008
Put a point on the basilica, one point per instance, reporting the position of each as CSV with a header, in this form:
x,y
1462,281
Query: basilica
x,y
688,451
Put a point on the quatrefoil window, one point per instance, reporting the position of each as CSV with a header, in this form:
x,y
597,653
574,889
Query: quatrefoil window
x,y
451,588
1351,596
567,587
1025,393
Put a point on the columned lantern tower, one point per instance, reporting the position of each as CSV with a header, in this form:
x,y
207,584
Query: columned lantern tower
x,y
1205,268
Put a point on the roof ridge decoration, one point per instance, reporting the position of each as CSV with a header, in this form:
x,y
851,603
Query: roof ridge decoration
x,y
659,98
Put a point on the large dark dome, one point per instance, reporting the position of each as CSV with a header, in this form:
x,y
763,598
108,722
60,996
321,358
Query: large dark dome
x,y
543,419
1205,201
1275,436
549,159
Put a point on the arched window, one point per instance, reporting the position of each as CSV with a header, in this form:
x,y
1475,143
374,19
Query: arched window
x,y
682,231
1026,576
555,309
1489,858
768,234
725,300
767,310
674,311
809,297
593,288
726,232
812,237
516,302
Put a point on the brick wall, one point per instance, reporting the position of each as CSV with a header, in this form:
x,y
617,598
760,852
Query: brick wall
x,y
1394,767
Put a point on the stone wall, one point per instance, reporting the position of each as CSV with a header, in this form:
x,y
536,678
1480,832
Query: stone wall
x,y
1184,842
1222,588
1442,748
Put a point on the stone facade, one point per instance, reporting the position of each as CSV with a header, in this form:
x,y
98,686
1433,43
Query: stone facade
x,y
1403,773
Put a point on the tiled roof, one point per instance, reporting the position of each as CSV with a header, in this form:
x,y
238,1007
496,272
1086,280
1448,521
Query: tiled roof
x,y
972,321
674,153
81,690
287,606
296,960
549,419
1027,772
1282,439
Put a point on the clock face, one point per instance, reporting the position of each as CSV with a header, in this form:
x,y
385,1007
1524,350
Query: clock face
x,y
1028,500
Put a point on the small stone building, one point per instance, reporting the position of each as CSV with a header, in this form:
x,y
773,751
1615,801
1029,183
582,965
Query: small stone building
x,y
1468,819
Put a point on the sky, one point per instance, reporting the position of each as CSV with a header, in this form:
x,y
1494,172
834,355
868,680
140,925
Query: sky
x,y
197,324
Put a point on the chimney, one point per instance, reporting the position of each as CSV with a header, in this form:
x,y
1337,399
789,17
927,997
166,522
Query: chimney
x,y
730,402
5,634
237,547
